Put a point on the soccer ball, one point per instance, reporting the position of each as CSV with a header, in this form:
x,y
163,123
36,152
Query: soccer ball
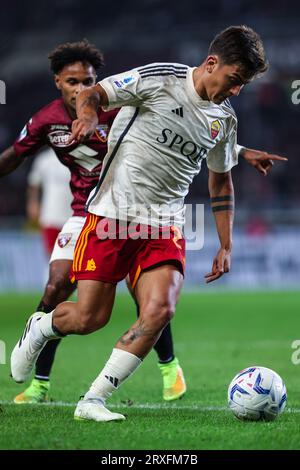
x,y
257,393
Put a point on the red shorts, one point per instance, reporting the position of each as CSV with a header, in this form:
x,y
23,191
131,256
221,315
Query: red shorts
x,y
49,235
111,259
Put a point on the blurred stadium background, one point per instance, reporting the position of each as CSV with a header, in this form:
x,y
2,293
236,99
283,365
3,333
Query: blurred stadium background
x,y
266,241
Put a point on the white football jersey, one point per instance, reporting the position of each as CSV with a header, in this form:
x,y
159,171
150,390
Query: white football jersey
x,y
157,144
53,178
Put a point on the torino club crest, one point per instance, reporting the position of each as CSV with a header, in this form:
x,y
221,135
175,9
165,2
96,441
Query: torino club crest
x,y
102,132
63,239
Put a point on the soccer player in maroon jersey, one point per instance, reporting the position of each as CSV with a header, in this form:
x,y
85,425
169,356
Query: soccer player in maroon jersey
x,y
47,186
74,66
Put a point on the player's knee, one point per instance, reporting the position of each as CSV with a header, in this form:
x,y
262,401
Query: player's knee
x,y
86,324
159,314
167,313
59,286
55,285
90,321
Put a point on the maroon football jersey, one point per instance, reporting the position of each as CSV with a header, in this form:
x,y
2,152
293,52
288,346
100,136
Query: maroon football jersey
x,y
52,126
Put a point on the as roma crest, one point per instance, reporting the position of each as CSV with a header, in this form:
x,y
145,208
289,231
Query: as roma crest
x,y
215,128
63,239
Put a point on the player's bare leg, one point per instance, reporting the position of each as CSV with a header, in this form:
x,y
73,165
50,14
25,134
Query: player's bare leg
x,y
59,286
91,312
174,385
157,292
57,290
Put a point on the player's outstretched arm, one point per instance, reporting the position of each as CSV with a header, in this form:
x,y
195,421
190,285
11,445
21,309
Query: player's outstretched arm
x,y
87,104
9,161
222,202
262,161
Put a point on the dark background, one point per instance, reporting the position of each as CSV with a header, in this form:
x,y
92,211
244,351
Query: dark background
x,y
142,31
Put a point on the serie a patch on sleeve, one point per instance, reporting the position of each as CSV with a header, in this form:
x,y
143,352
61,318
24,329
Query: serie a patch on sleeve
x,y
123,82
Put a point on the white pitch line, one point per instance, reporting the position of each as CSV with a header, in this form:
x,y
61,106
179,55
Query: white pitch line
x,y
146,406
149,406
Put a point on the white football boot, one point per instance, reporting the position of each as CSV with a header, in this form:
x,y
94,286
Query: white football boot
x,y
27,350
92,409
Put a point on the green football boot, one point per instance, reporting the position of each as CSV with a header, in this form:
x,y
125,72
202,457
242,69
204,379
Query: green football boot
x,y
37,392
174,385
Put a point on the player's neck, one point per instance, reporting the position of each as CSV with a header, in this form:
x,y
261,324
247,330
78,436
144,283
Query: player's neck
x,y
71,111
198,82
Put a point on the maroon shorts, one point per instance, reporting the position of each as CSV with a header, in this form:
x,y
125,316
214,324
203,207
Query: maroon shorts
x,y
49,235
127,250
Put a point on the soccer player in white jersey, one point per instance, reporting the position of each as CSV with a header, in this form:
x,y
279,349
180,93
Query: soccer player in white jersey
x,y
172,118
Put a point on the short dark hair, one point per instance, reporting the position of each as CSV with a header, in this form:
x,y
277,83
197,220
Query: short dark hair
x,y
240,45
71,52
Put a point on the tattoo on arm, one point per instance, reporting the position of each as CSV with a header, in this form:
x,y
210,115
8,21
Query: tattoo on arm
x,y
136,332
91,101
228,207
221,199
222,207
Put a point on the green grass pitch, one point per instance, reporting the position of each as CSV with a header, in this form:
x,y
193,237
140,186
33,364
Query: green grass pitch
x,y
215,335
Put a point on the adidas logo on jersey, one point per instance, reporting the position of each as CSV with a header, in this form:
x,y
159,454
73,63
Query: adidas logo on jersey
x,y
178,111
113,380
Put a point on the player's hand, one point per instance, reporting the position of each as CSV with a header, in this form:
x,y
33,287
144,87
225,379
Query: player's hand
x,y
82,129
221,265
262,161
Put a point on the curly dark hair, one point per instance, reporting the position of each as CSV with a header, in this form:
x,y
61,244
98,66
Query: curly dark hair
x,y
71,52
240,45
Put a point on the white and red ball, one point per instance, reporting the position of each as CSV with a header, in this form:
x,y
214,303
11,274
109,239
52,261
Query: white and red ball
x,y
257,393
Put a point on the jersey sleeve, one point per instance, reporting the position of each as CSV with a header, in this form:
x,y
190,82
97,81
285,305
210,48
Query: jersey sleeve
x,y
31,138
128,89
239,148
224,155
